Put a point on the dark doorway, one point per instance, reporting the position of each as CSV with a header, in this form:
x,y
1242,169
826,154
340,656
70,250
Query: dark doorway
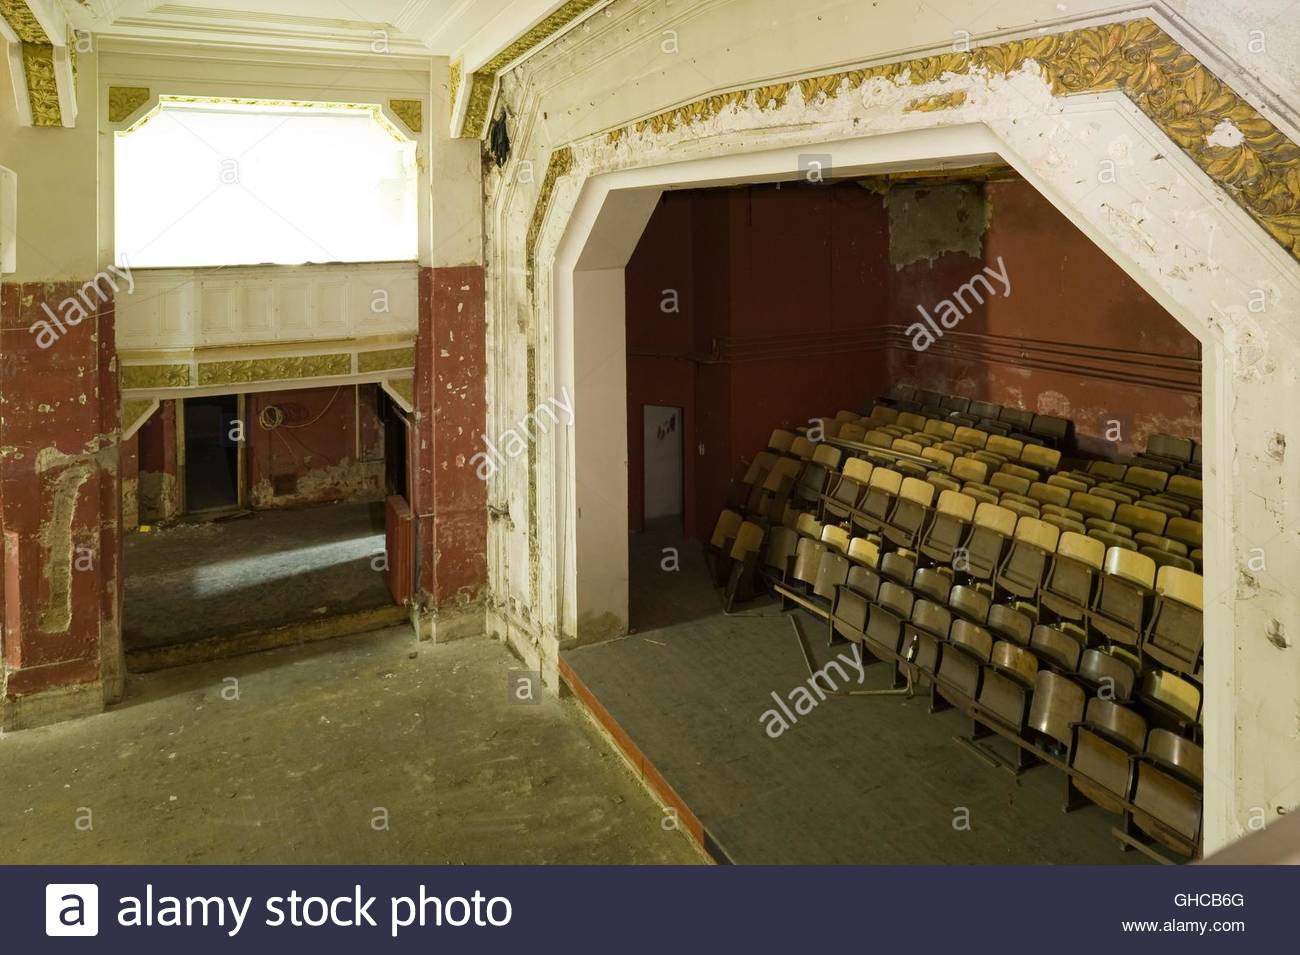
x,y
212,453
395,439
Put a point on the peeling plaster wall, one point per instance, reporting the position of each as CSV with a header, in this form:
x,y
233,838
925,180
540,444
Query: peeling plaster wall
x,y
60,501
329,448
1156,220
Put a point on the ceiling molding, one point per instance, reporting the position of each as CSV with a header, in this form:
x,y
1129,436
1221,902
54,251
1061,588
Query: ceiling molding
x,y
479,75
42,65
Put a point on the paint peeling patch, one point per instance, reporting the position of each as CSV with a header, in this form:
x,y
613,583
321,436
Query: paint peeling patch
x,y
1277,634
926,222
56,538
1277,447
1226,135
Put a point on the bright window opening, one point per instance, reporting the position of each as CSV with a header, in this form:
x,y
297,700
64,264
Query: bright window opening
x,y
209,183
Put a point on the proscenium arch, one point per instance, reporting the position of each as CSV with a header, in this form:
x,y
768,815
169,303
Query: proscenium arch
x,y
1185,242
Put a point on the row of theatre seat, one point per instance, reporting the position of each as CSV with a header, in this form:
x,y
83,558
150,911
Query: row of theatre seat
x,y
1058,608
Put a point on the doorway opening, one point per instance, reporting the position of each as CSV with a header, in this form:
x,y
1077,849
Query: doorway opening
x,y
662,472
212,453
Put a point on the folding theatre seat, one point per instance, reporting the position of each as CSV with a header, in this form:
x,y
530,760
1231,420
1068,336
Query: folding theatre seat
x,y
747,495
779,555
1057,706
991,529
908,518
835,538
1185,532
924,634
1169,448
1167,792
878,503
898,567
1010,623
1165,558
939,457
1009,482
1141,519
884,634
852,603
1006,686
1057,647
843,415
1168,505
1109,675
1067,591
1021,571
816,472
877,438
802,448
852,431
808,526
1017,419
1101,755
1052,494
1186,488
743,563
985,409
1120,603
949,528
1066,481
846,489
1107,470
1170,699
780,441
718,550
971,438
968,469
884,414
1040,459
955,403
864,552
777,487
932,584
969,604
1023,506
1050,428
943,430
962,663
910,421
1146,480
1118,495
1090,505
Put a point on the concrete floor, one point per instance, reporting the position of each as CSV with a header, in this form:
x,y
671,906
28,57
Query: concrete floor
x,y
854,781
320,743
191,582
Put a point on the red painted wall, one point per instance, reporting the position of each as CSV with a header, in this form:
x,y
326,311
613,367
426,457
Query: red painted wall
x,y
1076,337
782,291
315,455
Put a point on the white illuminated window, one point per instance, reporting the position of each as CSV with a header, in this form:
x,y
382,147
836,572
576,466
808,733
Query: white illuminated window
x,y
209,183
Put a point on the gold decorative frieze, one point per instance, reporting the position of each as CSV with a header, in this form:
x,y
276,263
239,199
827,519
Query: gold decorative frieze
x,y
249,370
930,104
389,358
155,376
455,73
42,84
135,412
1244,153
560,164
23,22
483,80
125,100
410,112
404,388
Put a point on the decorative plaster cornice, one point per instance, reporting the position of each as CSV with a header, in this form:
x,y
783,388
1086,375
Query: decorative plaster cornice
x,y
23,22
1242,151
42,84
483,80
250,370
385,359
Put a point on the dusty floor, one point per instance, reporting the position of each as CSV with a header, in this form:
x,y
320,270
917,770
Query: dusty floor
x,y
854,781
365,749
194,581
